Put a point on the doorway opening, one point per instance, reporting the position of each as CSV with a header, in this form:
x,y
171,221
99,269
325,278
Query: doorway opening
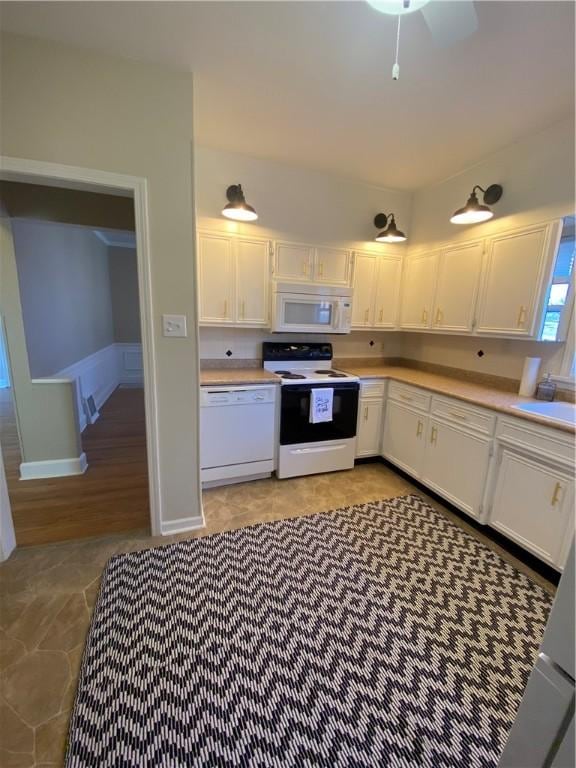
x,y
76,464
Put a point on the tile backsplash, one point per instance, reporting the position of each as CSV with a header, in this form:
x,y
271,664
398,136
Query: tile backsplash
x,y
246,343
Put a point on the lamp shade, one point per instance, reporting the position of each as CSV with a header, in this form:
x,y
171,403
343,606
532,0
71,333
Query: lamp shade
x,y
237,208
475,212
391,234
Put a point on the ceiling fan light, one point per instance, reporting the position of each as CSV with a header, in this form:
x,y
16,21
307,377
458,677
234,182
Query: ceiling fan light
x,y
237,208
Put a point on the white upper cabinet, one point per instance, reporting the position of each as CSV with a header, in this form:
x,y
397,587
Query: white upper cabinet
x,y
333,266
387,293
364,284
252,282
216,278
293,262
234,279
514,281
418,282
457,286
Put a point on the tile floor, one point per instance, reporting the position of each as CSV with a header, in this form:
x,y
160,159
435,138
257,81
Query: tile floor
x,y
47,594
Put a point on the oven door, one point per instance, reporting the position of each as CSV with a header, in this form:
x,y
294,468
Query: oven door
x,y
295,426
306,313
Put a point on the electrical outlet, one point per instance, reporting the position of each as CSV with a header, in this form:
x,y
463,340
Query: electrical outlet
x,y
174,325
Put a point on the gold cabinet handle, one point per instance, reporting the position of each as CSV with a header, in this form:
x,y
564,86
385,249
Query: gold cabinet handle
x,y
381,315
366,315
419,428
556,494
304,268
424,316
407,397
439,316
320,270
225,308
458,416
521,316
434,435
366,413
243,309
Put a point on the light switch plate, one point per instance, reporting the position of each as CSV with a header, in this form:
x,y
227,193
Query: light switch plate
x,y
174,325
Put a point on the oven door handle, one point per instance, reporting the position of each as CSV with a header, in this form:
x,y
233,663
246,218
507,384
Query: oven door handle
x,y
320,449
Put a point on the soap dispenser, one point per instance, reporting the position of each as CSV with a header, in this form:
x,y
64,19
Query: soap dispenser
x,y
546,389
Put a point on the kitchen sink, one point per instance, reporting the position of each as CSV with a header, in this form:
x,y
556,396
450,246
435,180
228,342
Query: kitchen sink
x,y
564,412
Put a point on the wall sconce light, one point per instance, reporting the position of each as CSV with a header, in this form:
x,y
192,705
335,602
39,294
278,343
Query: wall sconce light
x,y
474,212
237,208
390,233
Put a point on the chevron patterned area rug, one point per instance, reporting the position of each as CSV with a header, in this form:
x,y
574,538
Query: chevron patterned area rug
x,y
376,635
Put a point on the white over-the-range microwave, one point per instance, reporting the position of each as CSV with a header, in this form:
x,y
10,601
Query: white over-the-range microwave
x,y
311,308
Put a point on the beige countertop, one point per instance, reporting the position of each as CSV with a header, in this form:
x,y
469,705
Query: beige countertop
x,y
476,394
219,377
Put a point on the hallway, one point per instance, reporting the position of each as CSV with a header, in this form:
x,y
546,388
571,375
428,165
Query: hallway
x,y
112,495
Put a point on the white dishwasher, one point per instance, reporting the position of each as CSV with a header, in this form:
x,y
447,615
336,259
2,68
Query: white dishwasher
x,y
237,433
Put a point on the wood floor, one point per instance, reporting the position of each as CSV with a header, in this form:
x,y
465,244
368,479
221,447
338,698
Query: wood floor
x,y
110,497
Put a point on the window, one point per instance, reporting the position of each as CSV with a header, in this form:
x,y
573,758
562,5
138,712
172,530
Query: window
x,y
560,293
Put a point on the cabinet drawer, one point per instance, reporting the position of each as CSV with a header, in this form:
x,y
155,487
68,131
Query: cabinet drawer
x,y
415,398
372,388
468,416
546,442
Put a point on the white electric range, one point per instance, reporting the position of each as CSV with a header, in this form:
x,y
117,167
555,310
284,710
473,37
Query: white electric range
x,y
307,448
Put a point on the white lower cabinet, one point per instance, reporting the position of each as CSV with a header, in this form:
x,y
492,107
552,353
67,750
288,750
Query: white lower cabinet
x,y
533,503
404,438
515,475
456,465
369,425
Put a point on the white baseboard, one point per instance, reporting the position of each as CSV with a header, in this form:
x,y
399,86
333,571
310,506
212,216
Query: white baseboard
x,y
34,470
181,525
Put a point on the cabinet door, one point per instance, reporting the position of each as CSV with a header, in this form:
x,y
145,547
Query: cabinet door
x,y
363,297
404,437
457,287
369,427
418,283
456,465
332,266
387,291
512,281
293,261
252,281
533,504
216,279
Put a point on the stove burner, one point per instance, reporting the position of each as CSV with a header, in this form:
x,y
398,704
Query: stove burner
x,y
289,375
281,372
335,375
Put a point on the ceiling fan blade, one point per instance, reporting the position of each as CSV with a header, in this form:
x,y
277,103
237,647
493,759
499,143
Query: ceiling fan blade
x,y
450,21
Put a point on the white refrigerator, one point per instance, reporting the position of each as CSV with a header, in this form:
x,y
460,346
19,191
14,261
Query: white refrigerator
x,y
542,735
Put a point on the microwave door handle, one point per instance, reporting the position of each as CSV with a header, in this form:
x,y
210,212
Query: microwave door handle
x,y
336,315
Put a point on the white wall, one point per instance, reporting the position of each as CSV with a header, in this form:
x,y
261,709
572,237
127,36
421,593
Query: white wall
x,y
123,270
246,343
65,293
537,174
294,203
75,107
